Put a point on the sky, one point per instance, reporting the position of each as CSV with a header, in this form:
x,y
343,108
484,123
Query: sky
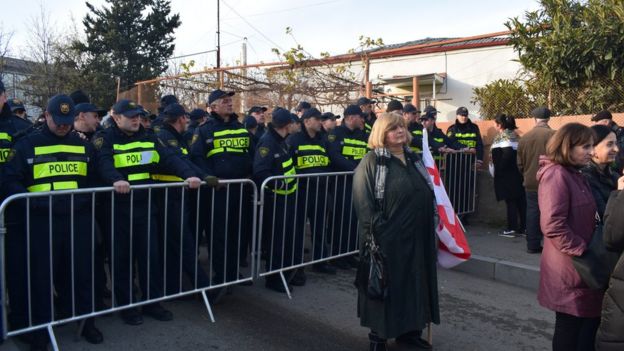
x,y
332,26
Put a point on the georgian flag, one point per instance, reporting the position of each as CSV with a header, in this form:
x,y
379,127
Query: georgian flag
x,y
453,247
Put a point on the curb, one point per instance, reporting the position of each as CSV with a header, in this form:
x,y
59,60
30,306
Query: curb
x,y
517,274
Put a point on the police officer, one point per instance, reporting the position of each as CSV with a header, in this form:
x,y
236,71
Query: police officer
x,y
224,148
165,101
258,113
18,109
49,159
128,154
10,125
461,168
410,115
273,159
439,143
197,118
394,105
366,105
86,122
309,152
179,232
347,146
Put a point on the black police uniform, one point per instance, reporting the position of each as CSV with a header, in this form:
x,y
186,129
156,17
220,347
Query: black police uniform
x,y
369,121
261,129
179,234
10,127
135,158
416,130
460,172
225,150
273,159
190,131
346,149
42,161
438,139
310,156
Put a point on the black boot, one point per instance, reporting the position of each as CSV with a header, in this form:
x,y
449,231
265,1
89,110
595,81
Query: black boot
x,y
91,333
414,338
376,343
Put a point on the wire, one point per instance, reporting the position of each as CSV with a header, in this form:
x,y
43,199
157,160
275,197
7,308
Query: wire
x,y
252,27
288,9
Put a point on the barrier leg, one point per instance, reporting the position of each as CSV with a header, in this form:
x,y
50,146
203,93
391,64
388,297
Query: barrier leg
x,y
285,284
207,303
52,338
79,330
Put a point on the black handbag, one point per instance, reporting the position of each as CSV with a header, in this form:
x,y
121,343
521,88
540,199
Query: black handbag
x,y
371,277
596,264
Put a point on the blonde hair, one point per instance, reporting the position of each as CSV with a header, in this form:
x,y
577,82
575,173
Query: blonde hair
x,y
385,123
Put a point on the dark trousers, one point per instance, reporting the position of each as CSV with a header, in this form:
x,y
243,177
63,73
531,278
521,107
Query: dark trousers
x,y
344,226
179,240
279,230
516,209
459,180
533,230
227,225
574,333
135,241
313,192
58,262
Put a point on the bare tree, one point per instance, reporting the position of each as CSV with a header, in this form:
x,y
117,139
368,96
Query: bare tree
x,y
5,45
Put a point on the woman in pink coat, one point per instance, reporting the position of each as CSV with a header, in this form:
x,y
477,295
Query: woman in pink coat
x,y
567,210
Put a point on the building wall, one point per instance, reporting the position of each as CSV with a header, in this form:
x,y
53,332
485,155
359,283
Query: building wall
x,y
465,69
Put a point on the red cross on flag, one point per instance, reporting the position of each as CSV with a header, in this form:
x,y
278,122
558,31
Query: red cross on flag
x,y
453,247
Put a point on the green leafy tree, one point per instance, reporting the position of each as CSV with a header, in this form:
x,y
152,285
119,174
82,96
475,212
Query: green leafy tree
x,y
574,53
129,39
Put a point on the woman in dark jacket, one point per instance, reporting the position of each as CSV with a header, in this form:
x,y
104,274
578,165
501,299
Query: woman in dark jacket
x,y
403,227
602,179
610,336
567,220
507,177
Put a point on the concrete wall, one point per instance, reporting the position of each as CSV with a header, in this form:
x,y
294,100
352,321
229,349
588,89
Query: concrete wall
x,y
465,70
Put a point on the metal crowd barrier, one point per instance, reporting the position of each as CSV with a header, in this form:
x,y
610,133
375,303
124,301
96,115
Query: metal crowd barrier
x,y
318,213
53,245
158,230
459,174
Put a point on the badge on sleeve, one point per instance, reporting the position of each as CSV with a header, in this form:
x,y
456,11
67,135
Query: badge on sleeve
x,y
263,151
173,142
331,137
98,142
194,139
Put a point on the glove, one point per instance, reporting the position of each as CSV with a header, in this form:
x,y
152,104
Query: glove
x,y
211,181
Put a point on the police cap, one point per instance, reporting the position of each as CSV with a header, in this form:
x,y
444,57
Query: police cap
x,y
85,107
174,110
250,122
218,94
280,117
303,105
16,105
257,109
394,105
197,114
328,115
365,101
462,111
127,108
311,113
409,108
61,108
352,110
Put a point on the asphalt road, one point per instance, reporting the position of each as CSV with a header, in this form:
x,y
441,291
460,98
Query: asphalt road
x,y
476,315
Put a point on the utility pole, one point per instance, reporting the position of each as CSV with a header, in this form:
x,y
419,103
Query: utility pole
x,y
219,73
244,74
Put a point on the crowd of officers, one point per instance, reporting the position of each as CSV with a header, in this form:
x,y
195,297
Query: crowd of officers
x,y
59,246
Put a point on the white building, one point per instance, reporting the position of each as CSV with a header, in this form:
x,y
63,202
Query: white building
x,y
446,70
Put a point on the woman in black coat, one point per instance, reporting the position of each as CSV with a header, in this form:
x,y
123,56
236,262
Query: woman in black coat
x,y
601,178
610,336
507,177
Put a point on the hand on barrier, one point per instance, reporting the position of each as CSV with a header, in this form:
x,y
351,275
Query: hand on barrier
x,y
211,181
193,182
620,184
122,186
478,164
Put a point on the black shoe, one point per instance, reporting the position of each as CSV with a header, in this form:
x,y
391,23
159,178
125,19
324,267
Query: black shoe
x,y
91,333
414,339
299,278
535,251
132,316
324,268
276,284
376,343
159,313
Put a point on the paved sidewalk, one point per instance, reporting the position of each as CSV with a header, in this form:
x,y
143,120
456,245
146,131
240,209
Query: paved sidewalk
x,y
499,258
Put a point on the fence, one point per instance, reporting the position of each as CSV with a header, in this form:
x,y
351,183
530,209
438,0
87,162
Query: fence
x,y
459,174
55,244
